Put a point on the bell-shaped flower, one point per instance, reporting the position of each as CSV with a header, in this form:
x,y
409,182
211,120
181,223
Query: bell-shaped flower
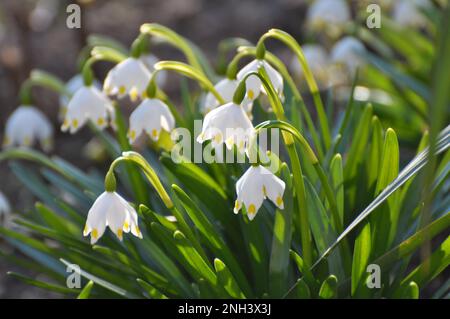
x,y
328,15
318,61
112,210
130,77
149,61
88,103
257,184
26,125
72,86
151,116
253,83
348,51
227,124
407,13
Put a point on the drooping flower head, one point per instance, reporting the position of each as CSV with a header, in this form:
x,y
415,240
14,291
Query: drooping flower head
x,y
88,103
130,77
72,86
348,52
111,210
226,88
407,13
318,61
257,184
227,124
151,116
253,83
26,125
328,15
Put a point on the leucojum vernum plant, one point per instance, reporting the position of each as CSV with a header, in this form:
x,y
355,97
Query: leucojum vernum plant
x,y
255,186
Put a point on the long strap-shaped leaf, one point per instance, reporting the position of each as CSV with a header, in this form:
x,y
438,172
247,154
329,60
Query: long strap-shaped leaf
x,y
409,171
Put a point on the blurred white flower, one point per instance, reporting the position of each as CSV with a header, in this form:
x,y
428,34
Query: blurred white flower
x,y
27,124
227,124
149,61
253,83
407,13
72,86
111,210
5,208
88,103
130,77
150,117
328,15
318,61
348,51
257,184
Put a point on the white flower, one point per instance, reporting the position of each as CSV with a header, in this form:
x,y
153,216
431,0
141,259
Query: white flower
x,y
329,14
72,86
5,208
348,52
149,61
27,124
407,13
88,103
227,124
130,77
317,59
257,184
150,116
253,83
111,210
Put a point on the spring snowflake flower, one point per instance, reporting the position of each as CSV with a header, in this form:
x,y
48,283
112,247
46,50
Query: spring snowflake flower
x,y
73,85
328,14
151,116
226,88
149,61
257,184
88,103
253,83
5,208
317,59
407,13
348,51
130,77
27,124
112,210
227,124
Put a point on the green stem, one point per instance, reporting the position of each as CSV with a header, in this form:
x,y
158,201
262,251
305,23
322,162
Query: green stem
x,y
288,40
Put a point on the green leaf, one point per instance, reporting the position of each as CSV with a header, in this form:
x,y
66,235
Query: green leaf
x,y
150,290
361,255
43,285
337,178
328,290
86,292
227,280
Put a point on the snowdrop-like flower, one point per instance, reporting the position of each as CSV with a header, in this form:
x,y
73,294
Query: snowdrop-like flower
x,y
130,77
88,103
257,184
330,14
5,208
317,59
227,124
151,116
72,86
347,51
407,13
149,61
112,210
27,124
253,83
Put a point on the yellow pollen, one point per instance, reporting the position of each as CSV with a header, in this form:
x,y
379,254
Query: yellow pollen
x,y
241,145
218,138
120,233
122,90
137,230
101,121
251,94
279,201
264,190
132,134
85,229
75,123
134,94
154,132
237,205
94,233
251,209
